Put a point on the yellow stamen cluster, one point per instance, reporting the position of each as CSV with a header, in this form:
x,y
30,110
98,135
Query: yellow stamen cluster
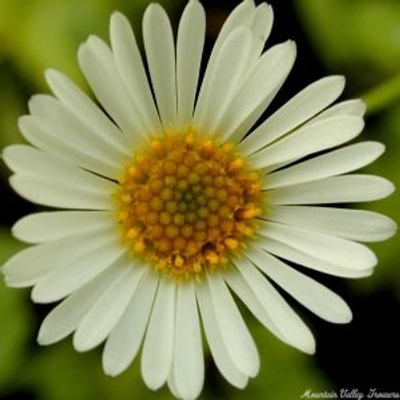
x,y
185,203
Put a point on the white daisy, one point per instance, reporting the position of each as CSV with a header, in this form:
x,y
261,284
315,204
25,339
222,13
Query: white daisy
x,y
171,199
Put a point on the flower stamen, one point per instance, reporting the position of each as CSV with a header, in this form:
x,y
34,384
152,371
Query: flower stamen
x,y
185,203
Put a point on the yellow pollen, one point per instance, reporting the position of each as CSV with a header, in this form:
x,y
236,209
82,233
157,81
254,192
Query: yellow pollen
x,y
231,243
186,203
132,234
179,261
248,212
132,171
236,165
212,257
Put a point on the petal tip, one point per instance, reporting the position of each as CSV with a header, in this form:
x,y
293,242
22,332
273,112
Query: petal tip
x,y
347,318
117,19
152,9
392,228
51,73
43,339
81,344
110,370
311,347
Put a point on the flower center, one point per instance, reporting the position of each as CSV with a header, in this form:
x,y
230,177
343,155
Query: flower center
x,y
185,203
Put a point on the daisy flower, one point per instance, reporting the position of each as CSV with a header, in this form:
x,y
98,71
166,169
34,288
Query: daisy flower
x,y
172,195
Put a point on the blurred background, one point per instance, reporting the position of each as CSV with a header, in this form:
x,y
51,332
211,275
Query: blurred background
x,y
357,38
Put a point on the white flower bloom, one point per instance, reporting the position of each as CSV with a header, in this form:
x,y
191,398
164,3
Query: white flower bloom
x,y
172,199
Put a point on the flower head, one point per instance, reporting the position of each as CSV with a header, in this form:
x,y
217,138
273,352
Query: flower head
x,y
171,198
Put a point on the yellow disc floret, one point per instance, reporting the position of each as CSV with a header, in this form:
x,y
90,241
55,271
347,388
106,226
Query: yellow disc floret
x,y
185,203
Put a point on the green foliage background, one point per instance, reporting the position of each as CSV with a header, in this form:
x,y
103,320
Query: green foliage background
x,y
358,38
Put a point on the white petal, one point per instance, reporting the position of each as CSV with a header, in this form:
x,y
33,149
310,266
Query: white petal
x,y
102,317
282,250
188,362
336,162
29,161
339,189
189,50
341,252
355,107
130,66
299,109
86,110
261,26
316,297
47,180
49,140
359,225
159,45
98,65
242,15
124,341
258,91
309,139
230,65
65,318
26,267
85,264
158,346
172,386
291,327
216,341
50,226
246,293
56,194
71,132
67,132
238,339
